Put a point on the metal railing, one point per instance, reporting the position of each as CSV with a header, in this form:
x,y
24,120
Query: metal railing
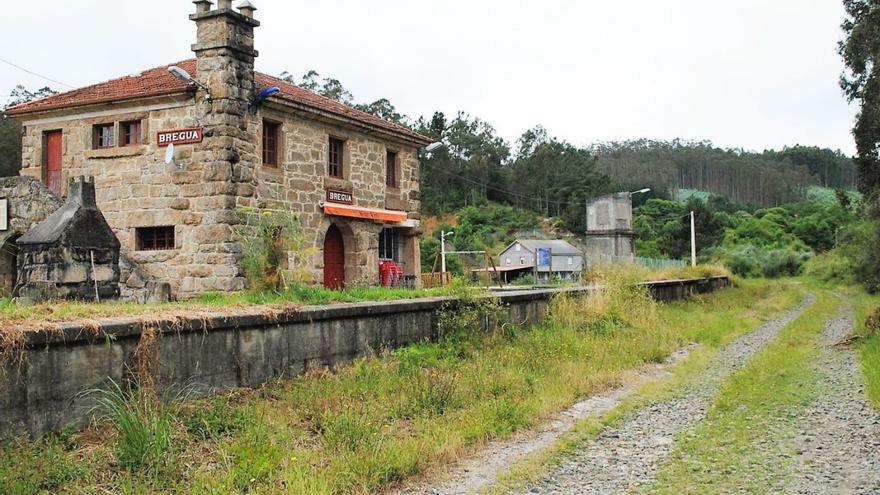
x,y
603,259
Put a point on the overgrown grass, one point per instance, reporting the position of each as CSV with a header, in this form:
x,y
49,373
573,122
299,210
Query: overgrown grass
x,y
143,423
372,424
13,314
740,447
868,345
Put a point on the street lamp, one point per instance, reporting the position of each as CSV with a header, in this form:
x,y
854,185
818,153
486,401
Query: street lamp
x,y
433,146
641,191
186,77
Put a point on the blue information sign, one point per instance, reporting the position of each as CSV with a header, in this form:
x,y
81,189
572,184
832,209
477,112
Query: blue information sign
x,y
544,257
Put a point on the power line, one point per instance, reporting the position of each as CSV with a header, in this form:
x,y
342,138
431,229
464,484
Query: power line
x,y
35,74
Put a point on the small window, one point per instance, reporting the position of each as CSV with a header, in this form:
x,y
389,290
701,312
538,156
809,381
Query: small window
x,y
155,238
571,260
270,143
506,261
516,248
334,161
522,261
103,136
131,133
389,244
391,169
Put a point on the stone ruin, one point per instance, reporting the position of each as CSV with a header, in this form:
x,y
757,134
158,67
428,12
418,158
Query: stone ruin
x,y
72,254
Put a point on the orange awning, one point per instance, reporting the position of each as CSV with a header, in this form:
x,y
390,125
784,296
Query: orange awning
x,y
367,213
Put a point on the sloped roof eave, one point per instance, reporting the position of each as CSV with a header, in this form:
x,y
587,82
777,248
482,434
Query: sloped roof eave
x,y
12,112
408,136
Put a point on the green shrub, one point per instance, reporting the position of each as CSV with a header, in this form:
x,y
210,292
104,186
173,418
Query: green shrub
x,y
831,267
744,262
275,252
749,261
524,280
783,262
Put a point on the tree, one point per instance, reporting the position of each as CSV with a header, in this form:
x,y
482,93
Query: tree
x,y
861,54
10,130
384,109
555,178
469,170
328,86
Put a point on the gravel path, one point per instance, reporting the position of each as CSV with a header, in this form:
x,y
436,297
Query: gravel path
x,y
626,457
838,442
483,469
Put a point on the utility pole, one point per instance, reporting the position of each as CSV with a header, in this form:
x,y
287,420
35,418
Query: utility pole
x,y
443,255
693,241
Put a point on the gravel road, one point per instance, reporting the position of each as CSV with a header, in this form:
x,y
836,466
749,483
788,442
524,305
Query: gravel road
x,y
626,457
838,445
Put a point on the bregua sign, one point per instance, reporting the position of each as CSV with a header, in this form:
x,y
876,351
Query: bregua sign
x,y
340,197
182,136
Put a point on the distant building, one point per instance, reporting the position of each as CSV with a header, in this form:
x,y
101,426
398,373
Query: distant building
x,y
545,259
610,226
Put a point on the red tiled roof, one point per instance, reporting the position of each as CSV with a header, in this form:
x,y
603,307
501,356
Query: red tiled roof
x,y
159,82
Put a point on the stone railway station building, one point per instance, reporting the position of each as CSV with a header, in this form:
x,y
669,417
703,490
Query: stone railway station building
x,y
241,139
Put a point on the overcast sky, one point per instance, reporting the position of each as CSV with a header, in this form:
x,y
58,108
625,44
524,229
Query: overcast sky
x,y
754,74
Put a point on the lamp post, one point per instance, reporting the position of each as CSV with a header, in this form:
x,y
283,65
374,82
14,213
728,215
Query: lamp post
x,y
443,236
693,241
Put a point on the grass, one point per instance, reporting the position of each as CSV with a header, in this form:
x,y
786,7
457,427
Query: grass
x,y
741,446
368,426
13,314
868,346
713,328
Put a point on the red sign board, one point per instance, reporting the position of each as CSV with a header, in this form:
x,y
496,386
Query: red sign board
x,y
340,197
181,136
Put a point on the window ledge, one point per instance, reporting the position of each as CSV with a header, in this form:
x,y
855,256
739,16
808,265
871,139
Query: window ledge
x,y
271,169
117,152
337,183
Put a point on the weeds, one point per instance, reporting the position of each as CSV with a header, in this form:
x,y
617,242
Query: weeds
x,y
362,427
143,423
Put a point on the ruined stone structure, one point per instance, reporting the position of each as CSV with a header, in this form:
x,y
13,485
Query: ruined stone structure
x,y
249,140
72,254
610,227
28,202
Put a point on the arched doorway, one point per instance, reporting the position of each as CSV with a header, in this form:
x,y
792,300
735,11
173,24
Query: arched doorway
x,y
334,259
8,267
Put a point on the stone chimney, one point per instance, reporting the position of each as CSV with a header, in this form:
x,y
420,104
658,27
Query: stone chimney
x,y
225,48
221,168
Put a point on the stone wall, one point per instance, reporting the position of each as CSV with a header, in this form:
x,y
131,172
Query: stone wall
x,y
29,202
209,354
299,182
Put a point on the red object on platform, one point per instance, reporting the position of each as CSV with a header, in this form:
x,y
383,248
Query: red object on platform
x,y
390,274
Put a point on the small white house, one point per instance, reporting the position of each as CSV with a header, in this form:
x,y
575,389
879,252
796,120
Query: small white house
x,y
545,259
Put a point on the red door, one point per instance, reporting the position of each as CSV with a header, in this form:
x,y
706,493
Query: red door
x,y
53,161
334,259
